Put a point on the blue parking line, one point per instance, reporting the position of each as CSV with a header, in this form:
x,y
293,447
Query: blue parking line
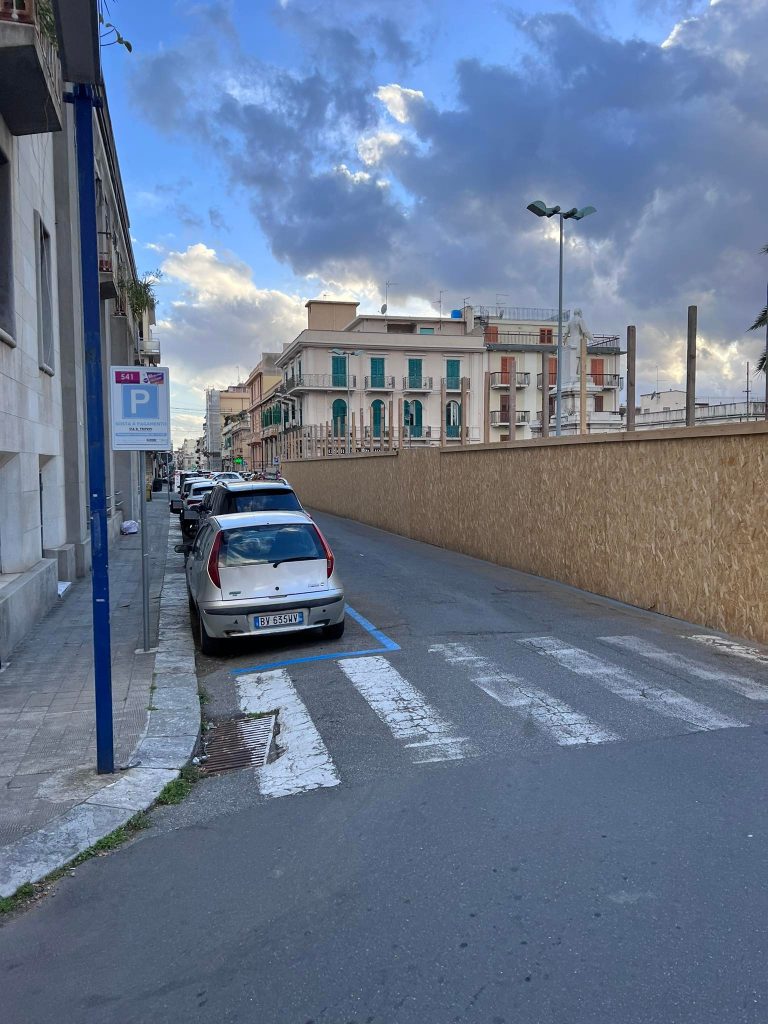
x,y
386,645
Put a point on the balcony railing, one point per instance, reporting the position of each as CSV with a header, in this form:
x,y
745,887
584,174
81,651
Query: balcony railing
x,y
552,380
30,76
605,380
453,430
321,382
378,382
500,417
604,341
417,383
501,380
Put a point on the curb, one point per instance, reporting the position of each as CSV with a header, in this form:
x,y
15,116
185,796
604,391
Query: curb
x,y
169,740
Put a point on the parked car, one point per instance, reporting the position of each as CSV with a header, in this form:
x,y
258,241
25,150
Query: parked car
x,y
227,476
190,515
186,481
260,574
232,496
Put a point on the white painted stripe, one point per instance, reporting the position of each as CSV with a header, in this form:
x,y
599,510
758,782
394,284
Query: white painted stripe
x,y
560,721
679,663
731,647
624,684
404,710
305,763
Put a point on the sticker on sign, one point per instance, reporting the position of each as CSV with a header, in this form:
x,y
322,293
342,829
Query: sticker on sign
x,y
140,408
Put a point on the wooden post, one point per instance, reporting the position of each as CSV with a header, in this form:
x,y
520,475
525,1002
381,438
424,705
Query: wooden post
x,y
326,438
583,385
631,397
545,394
391,425
353,442
690,380
399,422
512,399
442,433
464,414
487,409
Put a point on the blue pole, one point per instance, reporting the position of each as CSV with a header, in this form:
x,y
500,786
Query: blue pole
x,y
84,102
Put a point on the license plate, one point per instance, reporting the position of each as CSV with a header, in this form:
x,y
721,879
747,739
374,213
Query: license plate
x,y
279,619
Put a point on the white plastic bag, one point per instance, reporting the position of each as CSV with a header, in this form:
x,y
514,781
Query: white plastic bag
x,y
129,526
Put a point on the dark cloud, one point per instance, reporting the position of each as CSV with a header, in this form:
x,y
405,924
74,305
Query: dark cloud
x,y
216,219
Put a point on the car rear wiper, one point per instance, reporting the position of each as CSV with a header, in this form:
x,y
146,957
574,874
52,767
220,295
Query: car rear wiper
x,y
297,558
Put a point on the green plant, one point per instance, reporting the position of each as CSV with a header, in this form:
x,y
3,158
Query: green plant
x,y
46,21
111,36
141,292
762,321
180,788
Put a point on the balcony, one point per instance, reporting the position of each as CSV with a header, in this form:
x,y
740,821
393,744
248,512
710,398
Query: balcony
x,y
415,433
321,382
500,417
452,383
107,266
30,77
271,430
604,381
419,384
501,380
149,350
552,380
378,382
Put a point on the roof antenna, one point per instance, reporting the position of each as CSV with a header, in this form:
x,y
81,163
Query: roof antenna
x,y
387,286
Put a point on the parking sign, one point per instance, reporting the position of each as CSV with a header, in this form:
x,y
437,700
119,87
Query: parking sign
x,y
140,408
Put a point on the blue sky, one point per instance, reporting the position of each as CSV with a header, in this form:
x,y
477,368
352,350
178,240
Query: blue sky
x,y
272,151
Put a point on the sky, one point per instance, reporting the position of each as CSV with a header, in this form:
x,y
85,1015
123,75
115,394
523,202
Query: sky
x,y
276,150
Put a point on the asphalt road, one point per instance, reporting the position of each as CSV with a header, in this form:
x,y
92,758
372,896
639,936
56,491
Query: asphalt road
x,y
531,805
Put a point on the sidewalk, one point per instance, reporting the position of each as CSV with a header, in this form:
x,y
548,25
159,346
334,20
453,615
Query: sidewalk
x,y
47,710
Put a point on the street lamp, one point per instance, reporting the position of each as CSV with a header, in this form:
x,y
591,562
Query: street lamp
x,y
541,210
347,353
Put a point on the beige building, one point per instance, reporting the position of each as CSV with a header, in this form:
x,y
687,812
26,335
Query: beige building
x,y
218,405
262,381
667,409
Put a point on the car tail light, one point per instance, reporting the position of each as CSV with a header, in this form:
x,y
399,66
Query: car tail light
x,y
213,562
326,547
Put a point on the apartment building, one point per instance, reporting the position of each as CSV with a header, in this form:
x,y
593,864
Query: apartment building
x,y
263,379
220,403
44,514
383,380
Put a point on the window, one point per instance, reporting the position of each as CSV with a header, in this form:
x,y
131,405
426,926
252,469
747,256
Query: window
x,y
400,328
377,417
453,419
7,310
598,403
339,371
258,545
266,501
545,335
412,418
426,330
453,374
339,414
414,373
44,297
377,372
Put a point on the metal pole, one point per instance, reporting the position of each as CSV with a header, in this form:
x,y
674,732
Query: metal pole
x,y
690,382
631,358
83,102
559,379
765,410
144,550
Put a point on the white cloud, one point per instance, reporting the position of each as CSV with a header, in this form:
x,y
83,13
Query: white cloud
x,y
372,148
396,98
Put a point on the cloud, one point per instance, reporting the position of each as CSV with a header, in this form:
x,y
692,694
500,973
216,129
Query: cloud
x,y
372,148
216,219
220,321
398,100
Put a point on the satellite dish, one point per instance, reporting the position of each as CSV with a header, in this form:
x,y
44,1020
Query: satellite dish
x,y
384,309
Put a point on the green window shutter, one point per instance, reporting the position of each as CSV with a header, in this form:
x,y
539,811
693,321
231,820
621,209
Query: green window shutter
x,y
339,371
453,373
414,373
377,372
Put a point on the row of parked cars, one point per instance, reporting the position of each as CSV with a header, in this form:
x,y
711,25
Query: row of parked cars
x,y
255,562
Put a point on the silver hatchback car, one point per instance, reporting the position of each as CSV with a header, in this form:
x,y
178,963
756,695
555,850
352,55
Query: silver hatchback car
x,y
259,573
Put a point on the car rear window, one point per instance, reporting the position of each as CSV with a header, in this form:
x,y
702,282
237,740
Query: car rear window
x,y
281,499
256,545
201,488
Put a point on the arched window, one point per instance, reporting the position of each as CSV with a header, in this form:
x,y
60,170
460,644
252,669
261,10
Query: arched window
x,y
339,412
377,417
453,419
412,417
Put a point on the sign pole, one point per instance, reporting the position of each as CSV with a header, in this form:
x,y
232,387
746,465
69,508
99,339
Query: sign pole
x,y
144,551
83,101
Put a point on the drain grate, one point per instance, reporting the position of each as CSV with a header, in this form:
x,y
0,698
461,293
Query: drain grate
x,y
238,743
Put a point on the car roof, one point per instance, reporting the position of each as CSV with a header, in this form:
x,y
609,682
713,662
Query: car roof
x,y
239,519
236,486
197,483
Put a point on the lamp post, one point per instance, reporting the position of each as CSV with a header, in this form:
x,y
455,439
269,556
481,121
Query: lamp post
x,y
541,210
347,353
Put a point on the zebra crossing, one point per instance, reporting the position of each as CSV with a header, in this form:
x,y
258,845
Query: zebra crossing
x,y
426,733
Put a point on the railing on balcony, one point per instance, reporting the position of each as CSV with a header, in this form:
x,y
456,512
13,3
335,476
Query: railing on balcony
x,y
453,430
605,380
321,381
500,417
501,379
503,312
552,379
18,10
452,383
417,383
106,250
378,382
604,341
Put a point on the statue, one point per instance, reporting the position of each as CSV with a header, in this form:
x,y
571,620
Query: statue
x,y
578,329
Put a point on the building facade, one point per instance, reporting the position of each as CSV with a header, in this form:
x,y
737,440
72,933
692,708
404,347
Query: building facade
x,y
44,514
660,409
262,380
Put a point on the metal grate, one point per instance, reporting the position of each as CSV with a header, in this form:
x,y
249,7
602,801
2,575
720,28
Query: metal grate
x,y
239,743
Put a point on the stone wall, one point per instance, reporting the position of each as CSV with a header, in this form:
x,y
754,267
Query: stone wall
x,y
673,520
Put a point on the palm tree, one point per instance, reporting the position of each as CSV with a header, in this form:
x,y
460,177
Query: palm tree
x,y
762,321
